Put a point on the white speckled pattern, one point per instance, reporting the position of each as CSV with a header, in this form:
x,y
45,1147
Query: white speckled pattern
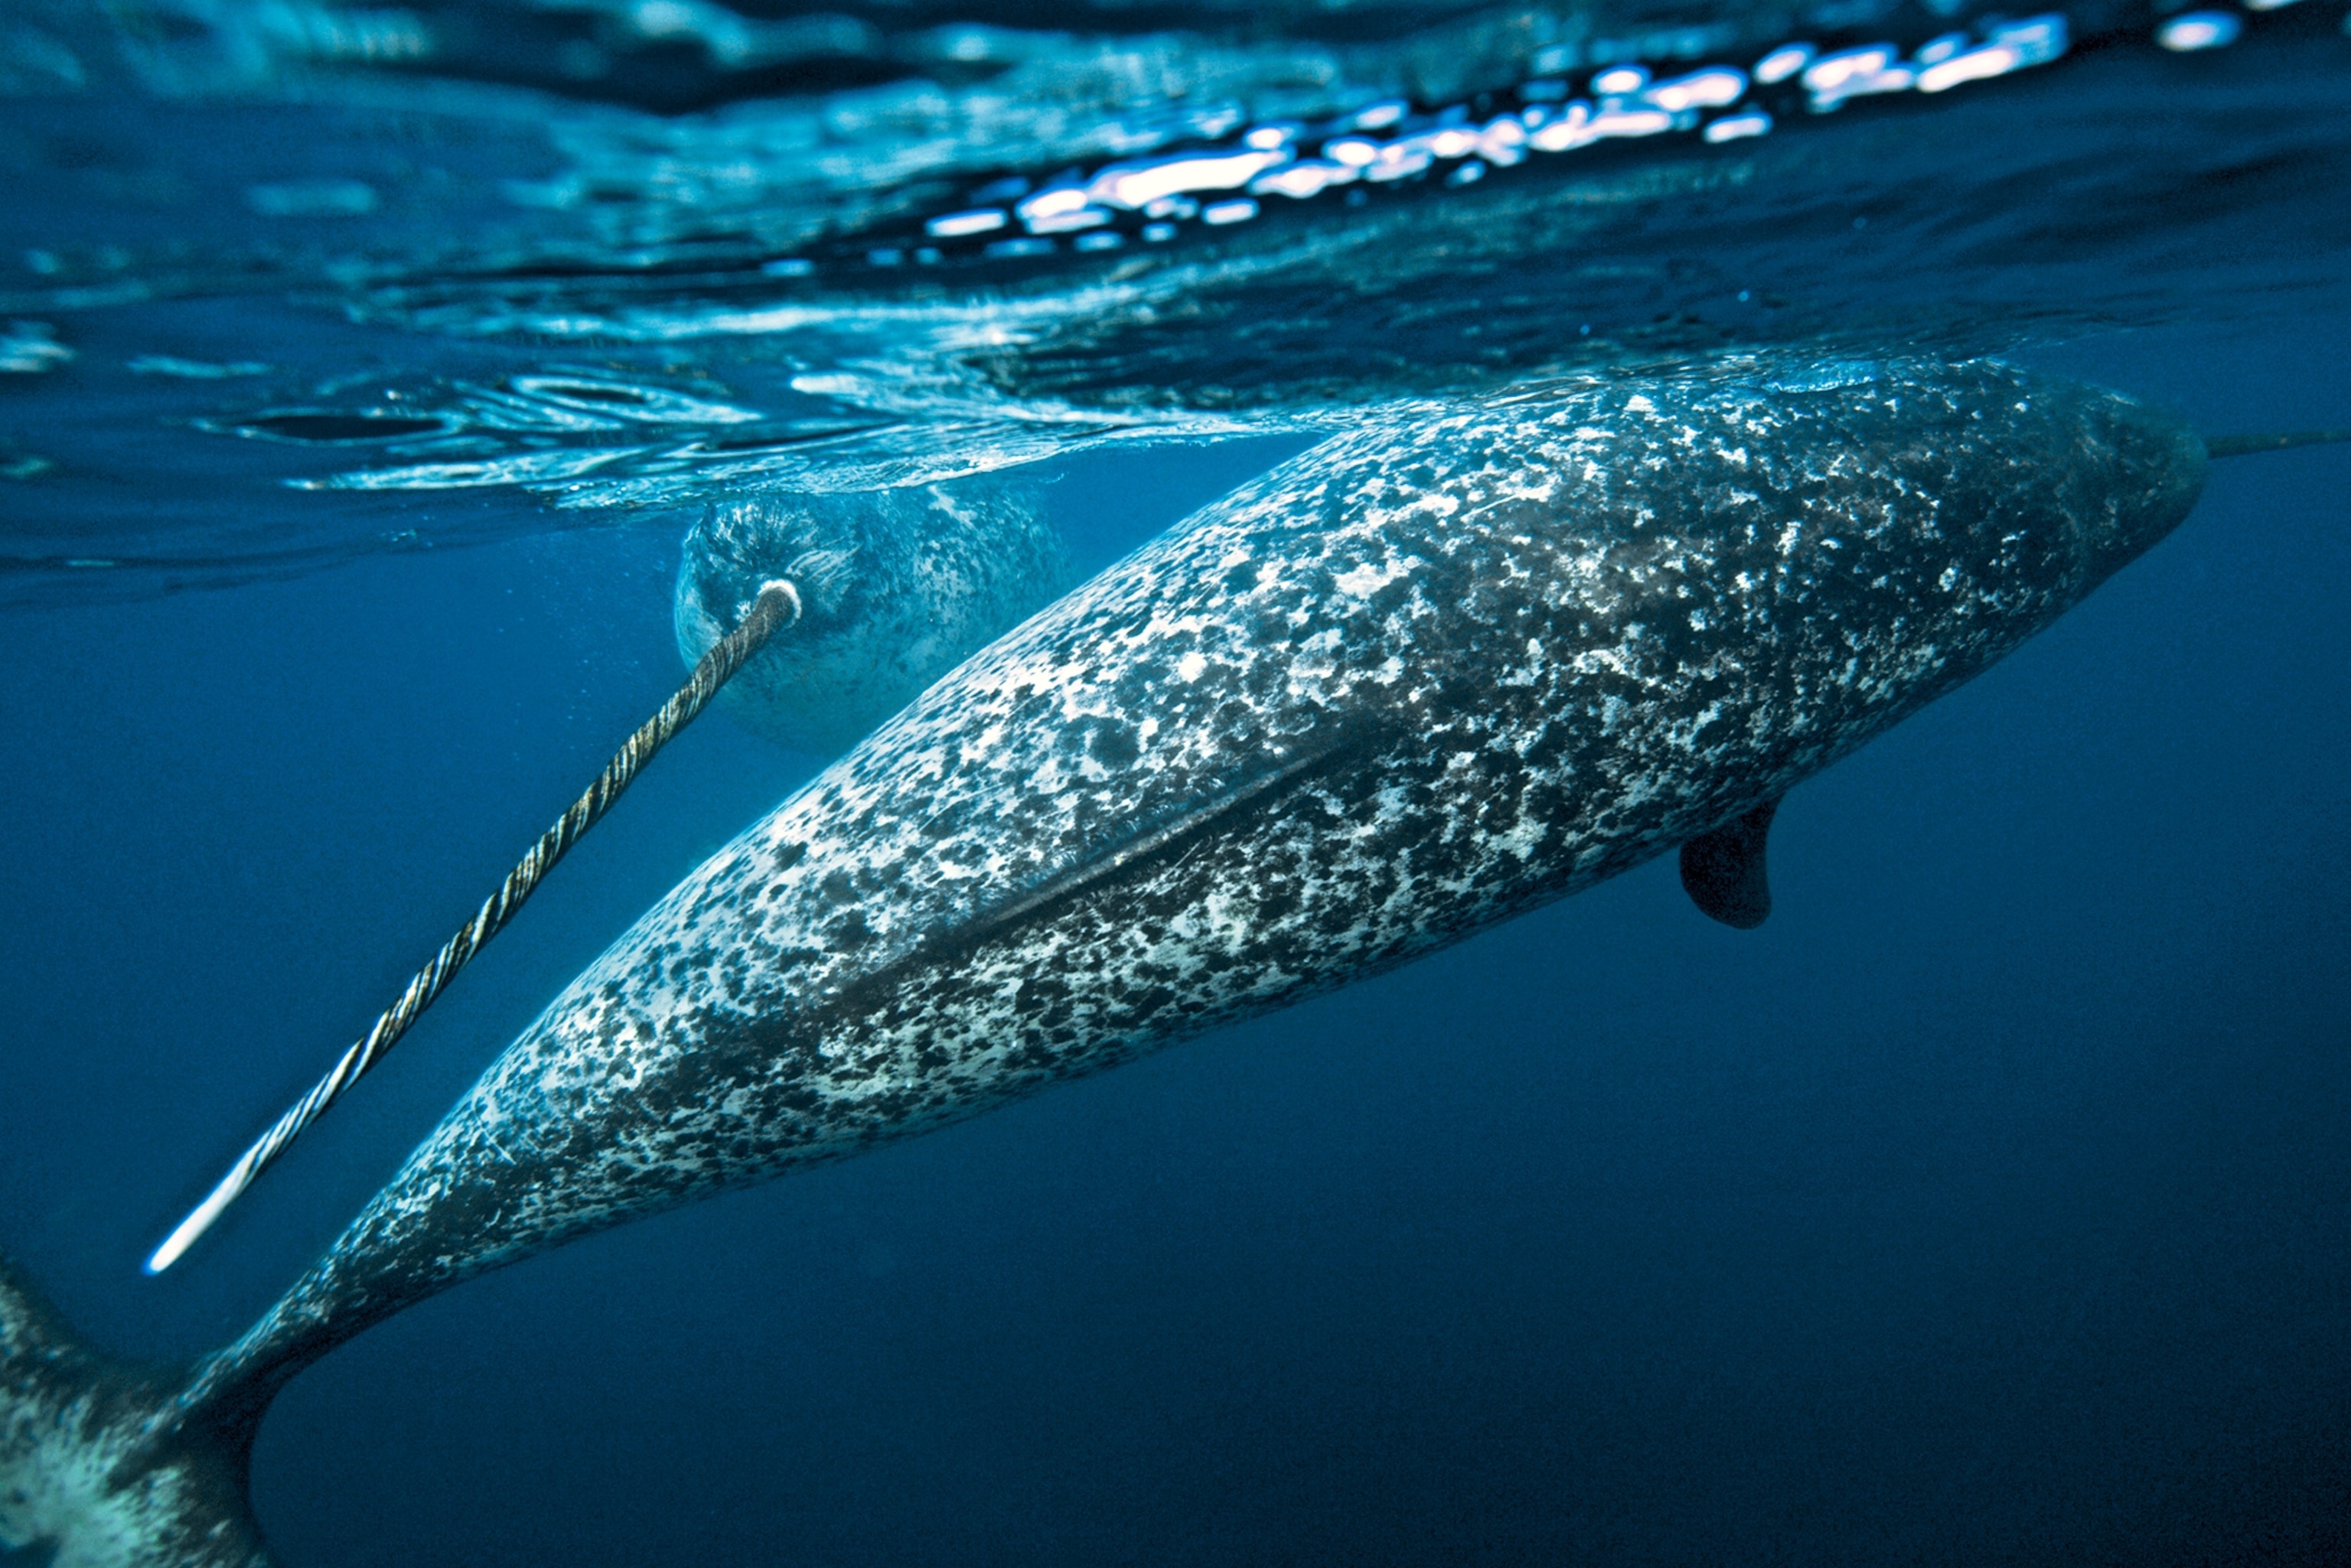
x,y
1467,659
67,1420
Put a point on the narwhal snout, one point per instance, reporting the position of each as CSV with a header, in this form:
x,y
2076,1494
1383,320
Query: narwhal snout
x,y
2154,465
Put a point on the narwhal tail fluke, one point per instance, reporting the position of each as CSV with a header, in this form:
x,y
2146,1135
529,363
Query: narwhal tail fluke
x,y
2278,440
85,1481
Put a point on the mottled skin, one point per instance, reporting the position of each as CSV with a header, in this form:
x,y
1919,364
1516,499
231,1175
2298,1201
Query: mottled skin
x,y
896,588
70,1420
1466,660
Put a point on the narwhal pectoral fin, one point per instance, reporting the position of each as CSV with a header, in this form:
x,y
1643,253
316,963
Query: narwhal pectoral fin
x,y
86,1479
1723,870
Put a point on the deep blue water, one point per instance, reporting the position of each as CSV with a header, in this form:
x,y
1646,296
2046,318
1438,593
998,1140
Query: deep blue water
x,y
1992,1202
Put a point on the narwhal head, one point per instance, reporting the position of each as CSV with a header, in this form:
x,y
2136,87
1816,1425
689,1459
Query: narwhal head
x,y
895,587
2052,483
2144,461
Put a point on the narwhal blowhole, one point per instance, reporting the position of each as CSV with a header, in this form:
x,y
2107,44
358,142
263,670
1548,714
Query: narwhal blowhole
x,y
896,587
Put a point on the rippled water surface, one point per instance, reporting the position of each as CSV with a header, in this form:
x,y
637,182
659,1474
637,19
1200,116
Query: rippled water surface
x,y
361,368
292,283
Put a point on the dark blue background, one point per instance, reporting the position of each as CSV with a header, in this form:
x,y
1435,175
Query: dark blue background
x,y
1992,1202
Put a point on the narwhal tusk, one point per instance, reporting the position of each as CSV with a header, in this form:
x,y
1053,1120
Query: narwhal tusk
x,y
2241,446
778,604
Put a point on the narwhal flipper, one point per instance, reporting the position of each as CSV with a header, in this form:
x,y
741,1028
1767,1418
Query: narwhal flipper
x,y
1723,870
87,1478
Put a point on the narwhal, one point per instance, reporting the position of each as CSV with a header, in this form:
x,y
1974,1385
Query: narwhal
x,y
1467,658
896,588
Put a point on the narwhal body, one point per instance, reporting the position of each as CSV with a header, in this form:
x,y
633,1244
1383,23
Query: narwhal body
x,y
1467,659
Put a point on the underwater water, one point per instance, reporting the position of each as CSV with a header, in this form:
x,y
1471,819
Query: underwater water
x,y
365,370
